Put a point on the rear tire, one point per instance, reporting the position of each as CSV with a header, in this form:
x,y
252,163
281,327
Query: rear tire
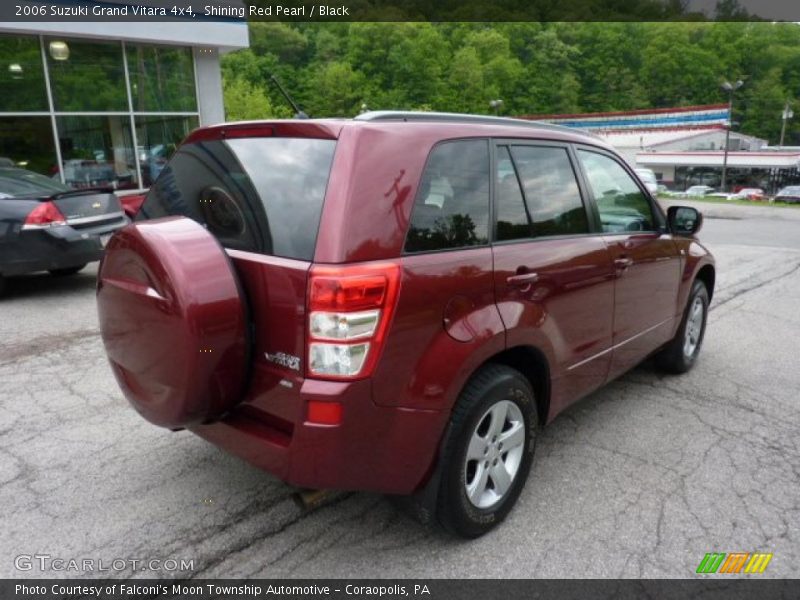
x,y
67,271
488,451
680,354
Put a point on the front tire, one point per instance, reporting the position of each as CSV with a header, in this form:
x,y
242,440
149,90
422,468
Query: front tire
x,y
488,451
680,354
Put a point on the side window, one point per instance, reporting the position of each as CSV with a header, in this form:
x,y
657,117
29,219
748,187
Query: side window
x,y
622,205
451,209
551,190
513,220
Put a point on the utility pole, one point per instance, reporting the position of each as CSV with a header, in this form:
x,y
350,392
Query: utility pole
x,y
786,115
730,88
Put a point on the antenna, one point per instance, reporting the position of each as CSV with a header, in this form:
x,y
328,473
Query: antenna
x,y
299,114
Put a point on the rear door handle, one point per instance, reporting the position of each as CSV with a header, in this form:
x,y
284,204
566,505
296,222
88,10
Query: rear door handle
x,y
623,262
523,279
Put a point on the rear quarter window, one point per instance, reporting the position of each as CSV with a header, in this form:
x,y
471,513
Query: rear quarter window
x,y
451,209
257,194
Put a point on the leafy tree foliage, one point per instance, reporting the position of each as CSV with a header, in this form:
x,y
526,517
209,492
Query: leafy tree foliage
x,y
334,69
244,101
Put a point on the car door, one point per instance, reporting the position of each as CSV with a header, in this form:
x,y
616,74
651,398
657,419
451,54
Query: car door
x,y
552,272
645,257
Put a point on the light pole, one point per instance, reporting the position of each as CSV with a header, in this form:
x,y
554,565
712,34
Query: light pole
x,y
785,115
730,88
496,104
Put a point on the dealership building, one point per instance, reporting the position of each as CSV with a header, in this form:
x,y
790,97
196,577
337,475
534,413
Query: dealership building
x,y
105,103
685,146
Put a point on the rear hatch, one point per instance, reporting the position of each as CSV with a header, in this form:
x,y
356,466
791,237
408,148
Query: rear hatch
x,y
260,195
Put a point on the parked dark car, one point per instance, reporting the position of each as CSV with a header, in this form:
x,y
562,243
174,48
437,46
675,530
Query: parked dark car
x,y
47,226
397,302
789,194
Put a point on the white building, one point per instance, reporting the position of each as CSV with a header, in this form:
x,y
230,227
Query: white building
x,y
685,146
105,103
631,143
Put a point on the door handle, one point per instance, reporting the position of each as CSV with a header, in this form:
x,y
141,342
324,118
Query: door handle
x,y
522,279
623,262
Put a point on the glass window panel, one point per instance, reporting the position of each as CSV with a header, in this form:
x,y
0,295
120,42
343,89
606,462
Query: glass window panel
x,y
86,76
451,209
158,137
551,190
21,75
162,79
622,205
97,151
512,217
257,194
27,142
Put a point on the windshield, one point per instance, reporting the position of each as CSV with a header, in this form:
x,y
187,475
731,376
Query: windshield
x,y
16,183
257,194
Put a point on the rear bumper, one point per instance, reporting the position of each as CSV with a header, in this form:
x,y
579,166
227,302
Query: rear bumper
x,y
53,248
381,449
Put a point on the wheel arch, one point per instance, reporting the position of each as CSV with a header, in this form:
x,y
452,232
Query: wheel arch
x,y
708,275
533,364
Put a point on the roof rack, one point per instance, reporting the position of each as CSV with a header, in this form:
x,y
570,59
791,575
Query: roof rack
x,y
399,115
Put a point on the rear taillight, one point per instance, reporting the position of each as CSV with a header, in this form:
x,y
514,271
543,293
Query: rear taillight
x,y
349,311
44,215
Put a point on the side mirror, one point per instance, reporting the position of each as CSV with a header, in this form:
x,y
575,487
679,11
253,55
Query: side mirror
x,y
684,220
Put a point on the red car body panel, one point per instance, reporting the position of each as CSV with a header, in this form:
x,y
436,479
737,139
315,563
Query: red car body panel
x,y
559,312
646,292
590,318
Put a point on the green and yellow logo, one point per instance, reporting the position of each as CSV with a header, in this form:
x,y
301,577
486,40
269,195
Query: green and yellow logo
x,y
735,562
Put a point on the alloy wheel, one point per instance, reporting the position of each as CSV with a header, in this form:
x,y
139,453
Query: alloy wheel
x,y
494,454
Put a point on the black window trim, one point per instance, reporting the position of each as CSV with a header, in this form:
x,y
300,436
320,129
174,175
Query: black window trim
x,y
489,233
593,219
659,218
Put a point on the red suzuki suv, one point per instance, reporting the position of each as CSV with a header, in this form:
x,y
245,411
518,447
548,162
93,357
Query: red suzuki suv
x,y
396,302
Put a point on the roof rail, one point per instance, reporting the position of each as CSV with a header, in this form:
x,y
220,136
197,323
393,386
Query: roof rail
x,y
399,115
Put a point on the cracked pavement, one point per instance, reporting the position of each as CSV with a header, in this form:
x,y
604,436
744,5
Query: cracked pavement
x,y
640,479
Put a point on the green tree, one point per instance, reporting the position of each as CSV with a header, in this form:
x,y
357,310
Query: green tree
x,y
607,64
763,104
332,68
336,90
551,84
677,70
243,101
280,39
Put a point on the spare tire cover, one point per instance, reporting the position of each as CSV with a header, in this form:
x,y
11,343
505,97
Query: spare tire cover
x,y
173,320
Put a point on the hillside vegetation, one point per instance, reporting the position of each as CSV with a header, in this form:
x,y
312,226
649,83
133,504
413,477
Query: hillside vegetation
x,y
334,69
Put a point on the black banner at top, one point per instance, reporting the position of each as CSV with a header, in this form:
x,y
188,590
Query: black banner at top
x,y
324,11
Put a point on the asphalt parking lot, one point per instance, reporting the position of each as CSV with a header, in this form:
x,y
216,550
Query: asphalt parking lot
x,y
641,479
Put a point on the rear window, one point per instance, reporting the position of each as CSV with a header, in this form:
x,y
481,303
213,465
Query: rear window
x,y
257,194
